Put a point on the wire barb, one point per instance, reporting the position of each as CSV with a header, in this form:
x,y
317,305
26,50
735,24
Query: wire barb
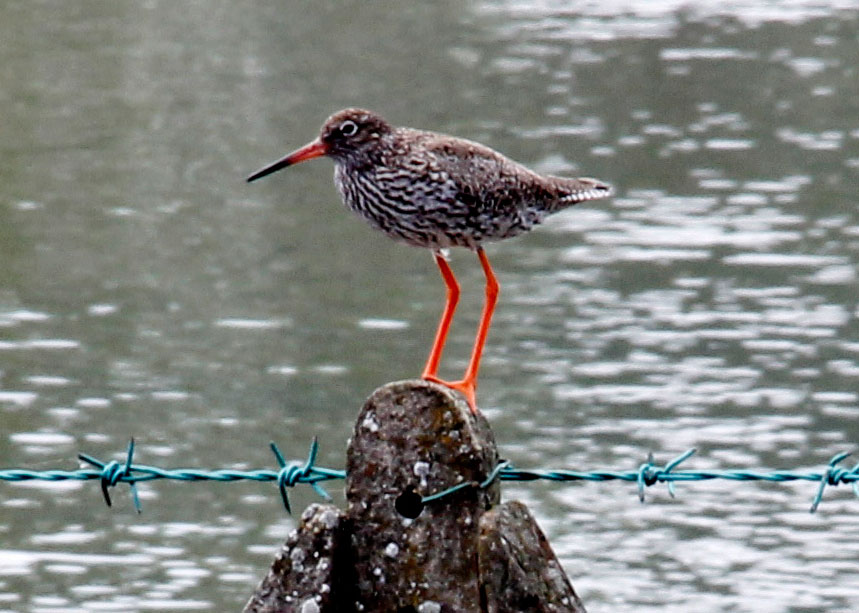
x,y
292,473
834,476
648,473
113,472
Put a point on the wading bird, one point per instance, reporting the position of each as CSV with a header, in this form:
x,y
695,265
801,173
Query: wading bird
x,y
437,191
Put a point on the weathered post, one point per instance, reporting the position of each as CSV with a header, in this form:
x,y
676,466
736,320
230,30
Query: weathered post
x,y
392,550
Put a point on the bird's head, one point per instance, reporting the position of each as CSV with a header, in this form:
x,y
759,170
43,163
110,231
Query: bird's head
x,y
349,131
345,135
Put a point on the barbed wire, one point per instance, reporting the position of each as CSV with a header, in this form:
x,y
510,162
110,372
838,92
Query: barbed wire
x,y
289,474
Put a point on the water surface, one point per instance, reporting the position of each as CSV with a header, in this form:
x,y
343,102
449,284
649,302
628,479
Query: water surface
x,y
147,291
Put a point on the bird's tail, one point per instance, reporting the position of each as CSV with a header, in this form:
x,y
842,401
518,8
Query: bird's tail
x,y
573,191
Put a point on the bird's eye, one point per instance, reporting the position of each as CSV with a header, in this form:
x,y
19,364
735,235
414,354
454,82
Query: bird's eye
x,y
348,128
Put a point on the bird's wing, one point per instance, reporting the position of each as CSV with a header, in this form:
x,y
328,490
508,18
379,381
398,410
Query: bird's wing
x,y
503,184
484,178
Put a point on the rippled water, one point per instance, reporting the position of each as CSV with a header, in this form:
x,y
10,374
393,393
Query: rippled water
x,y
146,290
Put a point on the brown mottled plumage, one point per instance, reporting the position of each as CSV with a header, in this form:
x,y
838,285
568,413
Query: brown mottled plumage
x,y
436,191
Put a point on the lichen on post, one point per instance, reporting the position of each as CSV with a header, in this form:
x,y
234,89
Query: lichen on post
x,y
413,439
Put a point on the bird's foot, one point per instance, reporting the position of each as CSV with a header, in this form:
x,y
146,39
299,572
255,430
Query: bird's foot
x,y
467,387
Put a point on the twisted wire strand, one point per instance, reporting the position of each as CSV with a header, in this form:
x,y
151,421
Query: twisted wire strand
x,y
290,474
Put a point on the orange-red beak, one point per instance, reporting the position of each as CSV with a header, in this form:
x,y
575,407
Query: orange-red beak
x,y
309,151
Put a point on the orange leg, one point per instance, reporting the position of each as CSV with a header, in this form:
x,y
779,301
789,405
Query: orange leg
x,y
446,318
468,384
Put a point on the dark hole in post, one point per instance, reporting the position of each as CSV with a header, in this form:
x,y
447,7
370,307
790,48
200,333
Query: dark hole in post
x,y
409,504
407,609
